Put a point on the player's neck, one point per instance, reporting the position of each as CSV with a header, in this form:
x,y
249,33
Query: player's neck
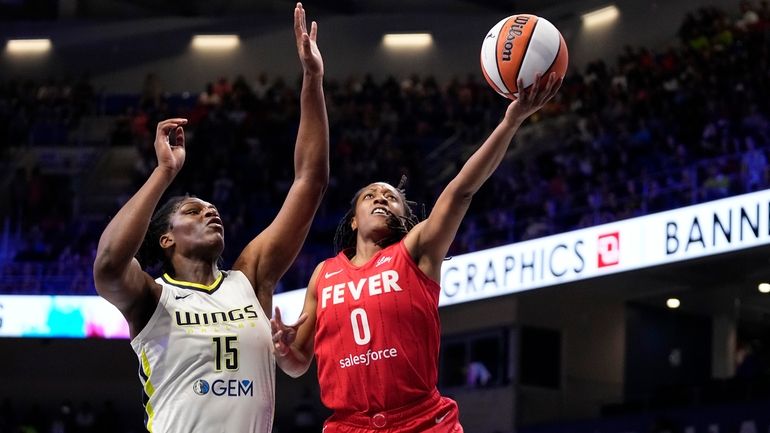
x,y
195,271
364,252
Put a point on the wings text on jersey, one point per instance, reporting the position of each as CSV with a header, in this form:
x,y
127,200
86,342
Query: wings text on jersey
x,y
192,318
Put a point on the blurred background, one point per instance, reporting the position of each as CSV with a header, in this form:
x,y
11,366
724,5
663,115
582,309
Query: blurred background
x,y
664,109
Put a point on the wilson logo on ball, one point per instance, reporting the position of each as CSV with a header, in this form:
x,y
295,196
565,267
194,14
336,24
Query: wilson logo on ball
x,y
522,46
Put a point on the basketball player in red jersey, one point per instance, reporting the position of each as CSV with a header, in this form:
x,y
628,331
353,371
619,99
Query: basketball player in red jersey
x,y
371,312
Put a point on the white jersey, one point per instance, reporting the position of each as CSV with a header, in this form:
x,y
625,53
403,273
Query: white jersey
x,y
206,359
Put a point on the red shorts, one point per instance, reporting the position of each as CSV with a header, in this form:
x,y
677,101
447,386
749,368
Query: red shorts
x,y
434,414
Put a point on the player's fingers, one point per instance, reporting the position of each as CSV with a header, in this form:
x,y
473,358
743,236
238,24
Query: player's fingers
x,y
557,85
179,136
314,31
298,20
537,84
302,318
551,87
165,126
522,90
303,19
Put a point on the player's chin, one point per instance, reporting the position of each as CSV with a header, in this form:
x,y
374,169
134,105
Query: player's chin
x,y
382,231
216,243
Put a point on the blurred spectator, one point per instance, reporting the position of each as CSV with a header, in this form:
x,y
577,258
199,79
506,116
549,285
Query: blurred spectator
x,y
747,364
209,98
753,166
717,184
306,419
152,93
748,16
85,419
478,375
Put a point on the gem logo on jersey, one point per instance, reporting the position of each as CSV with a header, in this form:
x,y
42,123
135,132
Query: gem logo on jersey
x,y
608,249
201,387
225,388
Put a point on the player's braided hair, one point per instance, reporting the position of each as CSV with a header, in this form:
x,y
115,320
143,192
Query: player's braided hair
x,y
150,254
345,236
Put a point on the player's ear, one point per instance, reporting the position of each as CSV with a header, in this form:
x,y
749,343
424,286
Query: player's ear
x,y
353,224
166,240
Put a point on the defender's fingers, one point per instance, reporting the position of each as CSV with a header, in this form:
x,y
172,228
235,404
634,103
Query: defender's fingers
x,y
303,19
298,20
179,136
165,126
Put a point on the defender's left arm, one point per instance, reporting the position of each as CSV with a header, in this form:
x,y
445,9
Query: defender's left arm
x,y
268,256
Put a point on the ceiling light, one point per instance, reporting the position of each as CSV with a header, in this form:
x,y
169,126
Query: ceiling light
x,y
673,303
28,46
764,287
600,17
407,40
215,42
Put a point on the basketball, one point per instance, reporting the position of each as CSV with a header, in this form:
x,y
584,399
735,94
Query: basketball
x,y
522,46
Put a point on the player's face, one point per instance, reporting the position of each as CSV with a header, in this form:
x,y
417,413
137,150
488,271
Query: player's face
x,y
196,229
375,205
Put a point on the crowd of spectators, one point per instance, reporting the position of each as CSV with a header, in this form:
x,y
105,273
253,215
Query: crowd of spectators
x,y
653,130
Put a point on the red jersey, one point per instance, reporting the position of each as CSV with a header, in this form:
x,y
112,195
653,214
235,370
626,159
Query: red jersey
x,y
377,332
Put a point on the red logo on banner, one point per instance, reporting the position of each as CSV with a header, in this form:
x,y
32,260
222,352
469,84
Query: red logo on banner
x,y
608,249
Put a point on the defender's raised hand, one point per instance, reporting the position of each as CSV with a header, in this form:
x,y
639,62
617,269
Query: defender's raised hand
x,y
307,48
170,155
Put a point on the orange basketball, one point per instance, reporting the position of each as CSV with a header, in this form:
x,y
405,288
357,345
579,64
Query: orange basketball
x,y
521,46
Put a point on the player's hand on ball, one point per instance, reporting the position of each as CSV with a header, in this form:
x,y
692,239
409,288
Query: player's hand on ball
x,y
534,97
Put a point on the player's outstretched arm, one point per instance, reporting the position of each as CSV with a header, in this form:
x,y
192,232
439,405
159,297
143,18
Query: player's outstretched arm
x,y
117,274
266,258
429,241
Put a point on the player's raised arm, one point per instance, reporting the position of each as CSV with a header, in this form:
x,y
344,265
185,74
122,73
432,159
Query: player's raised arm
x,y
266,258
117,275
429,241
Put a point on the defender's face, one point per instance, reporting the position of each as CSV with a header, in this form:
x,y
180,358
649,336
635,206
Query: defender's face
x,y
196,227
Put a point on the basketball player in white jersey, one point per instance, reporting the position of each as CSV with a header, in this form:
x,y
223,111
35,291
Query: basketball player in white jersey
x,y
202,335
